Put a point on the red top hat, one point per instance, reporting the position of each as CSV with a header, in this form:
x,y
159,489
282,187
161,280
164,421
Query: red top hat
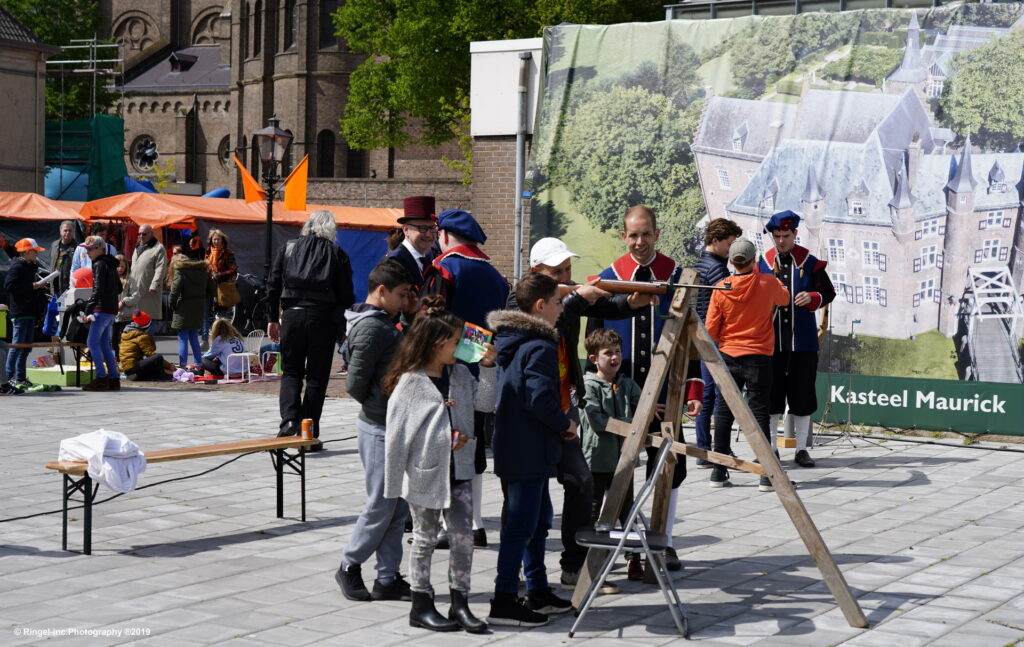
x,y
418,207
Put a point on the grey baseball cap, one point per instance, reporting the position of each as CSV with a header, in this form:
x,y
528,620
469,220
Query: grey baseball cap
x,y
742,250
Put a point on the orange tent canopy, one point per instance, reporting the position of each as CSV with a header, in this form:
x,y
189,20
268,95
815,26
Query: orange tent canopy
x,y
32,206
162,210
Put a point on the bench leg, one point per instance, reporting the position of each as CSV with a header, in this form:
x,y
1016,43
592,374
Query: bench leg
x,y
279,465
85,486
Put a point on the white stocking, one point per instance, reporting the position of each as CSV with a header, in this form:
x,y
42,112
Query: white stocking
x,y
670,521
478,496
773,428
802,427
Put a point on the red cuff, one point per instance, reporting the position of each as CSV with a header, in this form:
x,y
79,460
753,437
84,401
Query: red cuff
x,y
815,301
694,389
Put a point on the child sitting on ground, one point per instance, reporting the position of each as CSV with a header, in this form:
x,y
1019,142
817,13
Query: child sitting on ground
x,y
139,359
225,340
609,395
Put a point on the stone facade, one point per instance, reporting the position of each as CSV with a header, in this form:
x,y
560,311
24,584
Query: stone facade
x,y
203,75
22,102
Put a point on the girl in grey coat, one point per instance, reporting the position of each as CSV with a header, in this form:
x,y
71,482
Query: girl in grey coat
x,y
429,456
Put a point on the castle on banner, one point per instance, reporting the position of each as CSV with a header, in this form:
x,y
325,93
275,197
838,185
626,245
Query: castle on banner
x,y
918,236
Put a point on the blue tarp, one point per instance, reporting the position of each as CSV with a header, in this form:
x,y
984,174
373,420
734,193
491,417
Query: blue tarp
x,y
131,185
364,249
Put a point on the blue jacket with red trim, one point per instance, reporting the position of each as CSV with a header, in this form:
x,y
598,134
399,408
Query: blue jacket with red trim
x,y
470,285
807,275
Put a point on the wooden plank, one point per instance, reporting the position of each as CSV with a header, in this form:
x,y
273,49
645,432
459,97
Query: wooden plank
x,y
773,470
622,429
660,361
76,468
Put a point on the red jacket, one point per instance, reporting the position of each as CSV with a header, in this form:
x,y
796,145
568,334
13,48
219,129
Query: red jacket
x,y
740,320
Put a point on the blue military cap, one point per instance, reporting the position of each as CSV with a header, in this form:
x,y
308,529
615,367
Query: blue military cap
x,y
461,223
784,220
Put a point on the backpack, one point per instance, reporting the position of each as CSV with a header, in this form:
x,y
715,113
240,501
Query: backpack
x,y
73,330
305,265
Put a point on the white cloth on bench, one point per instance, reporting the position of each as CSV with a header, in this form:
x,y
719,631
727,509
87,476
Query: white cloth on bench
x,y
113,460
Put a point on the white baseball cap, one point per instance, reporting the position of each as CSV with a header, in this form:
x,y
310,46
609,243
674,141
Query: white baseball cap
x,y
550,252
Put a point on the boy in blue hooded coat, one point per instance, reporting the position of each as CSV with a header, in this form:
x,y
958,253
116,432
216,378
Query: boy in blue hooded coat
x,y
530,423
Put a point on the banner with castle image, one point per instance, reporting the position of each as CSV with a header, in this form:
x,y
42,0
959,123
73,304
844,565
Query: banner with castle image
x,y
897,135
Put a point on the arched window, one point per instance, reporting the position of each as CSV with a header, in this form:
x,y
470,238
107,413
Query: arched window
x,y
325,143
290,24
257,27
355,163
327,10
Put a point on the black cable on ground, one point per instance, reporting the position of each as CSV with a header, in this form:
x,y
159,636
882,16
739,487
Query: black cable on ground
x,y
165,481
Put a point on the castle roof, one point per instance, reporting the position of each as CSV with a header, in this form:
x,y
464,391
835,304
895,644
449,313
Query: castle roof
x,y
902,198
912,69
963,178
812,190
726,118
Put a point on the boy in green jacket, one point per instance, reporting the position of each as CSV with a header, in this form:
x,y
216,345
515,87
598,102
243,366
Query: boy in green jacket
x,y
609,395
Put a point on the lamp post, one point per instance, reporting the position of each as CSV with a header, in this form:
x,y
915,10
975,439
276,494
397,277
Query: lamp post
x,y
853,335
273,146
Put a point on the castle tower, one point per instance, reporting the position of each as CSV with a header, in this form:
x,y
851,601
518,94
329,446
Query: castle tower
x,y
959,243
901,206
912,71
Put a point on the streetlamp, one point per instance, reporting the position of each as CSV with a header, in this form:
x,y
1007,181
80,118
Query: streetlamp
x,y
273,146
853,335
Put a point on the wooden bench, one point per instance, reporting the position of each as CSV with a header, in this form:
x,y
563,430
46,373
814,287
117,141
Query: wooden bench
x,y
77,479
78,350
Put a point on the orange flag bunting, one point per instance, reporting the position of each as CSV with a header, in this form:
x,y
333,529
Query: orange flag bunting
x,y
295,186
250,187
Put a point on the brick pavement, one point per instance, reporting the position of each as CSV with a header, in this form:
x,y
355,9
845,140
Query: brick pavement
x,y
929,537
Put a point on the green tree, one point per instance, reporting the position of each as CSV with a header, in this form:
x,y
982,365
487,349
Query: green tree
x,y
985,92
58,22
625,146
864,64
409,88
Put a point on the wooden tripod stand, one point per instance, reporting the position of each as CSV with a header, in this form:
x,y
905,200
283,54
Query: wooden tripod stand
x,y
682,333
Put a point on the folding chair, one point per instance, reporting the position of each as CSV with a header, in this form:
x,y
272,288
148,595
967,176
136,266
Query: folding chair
x,y
636,536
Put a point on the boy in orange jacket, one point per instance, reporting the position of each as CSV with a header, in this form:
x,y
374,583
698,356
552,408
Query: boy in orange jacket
x,y
740,320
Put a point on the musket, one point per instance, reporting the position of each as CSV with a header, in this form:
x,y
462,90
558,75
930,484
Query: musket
x,y
616,286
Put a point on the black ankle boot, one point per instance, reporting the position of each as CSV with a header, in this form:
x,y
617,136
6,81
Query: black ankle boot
x,y
460,613
425,615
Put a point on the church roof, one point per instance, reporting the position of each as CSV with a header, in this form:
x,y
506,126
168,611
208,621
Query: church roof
x,y
191,68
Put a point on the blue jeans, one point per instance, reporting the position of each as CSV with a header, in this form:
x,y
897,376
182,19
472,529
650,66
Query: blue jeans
x,y
99,345
185,339
529,515
707,410
17,357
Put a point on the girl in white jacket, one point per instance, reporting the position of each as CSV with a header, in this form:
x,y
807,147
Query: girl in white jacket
x,y
225,340
429,458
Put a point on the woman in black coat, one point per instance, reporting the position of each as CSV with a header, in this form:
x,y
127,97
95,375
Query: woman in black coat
x,y
102,309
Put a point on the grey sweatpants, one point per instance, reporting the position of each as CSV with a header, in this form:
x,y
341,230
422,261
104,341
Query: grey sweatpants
x,y
382,521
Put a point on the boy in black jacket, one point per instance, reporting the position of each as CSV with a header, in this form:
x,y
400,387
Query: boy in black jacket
x,y
372,341
21,289
712,267
530,423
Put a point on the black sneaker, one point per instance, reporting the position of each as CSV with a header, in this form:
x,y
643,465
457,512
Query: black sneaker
x,y
719,477
10,389
351,582
397,589
509,611
765,485
704,464
546,602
